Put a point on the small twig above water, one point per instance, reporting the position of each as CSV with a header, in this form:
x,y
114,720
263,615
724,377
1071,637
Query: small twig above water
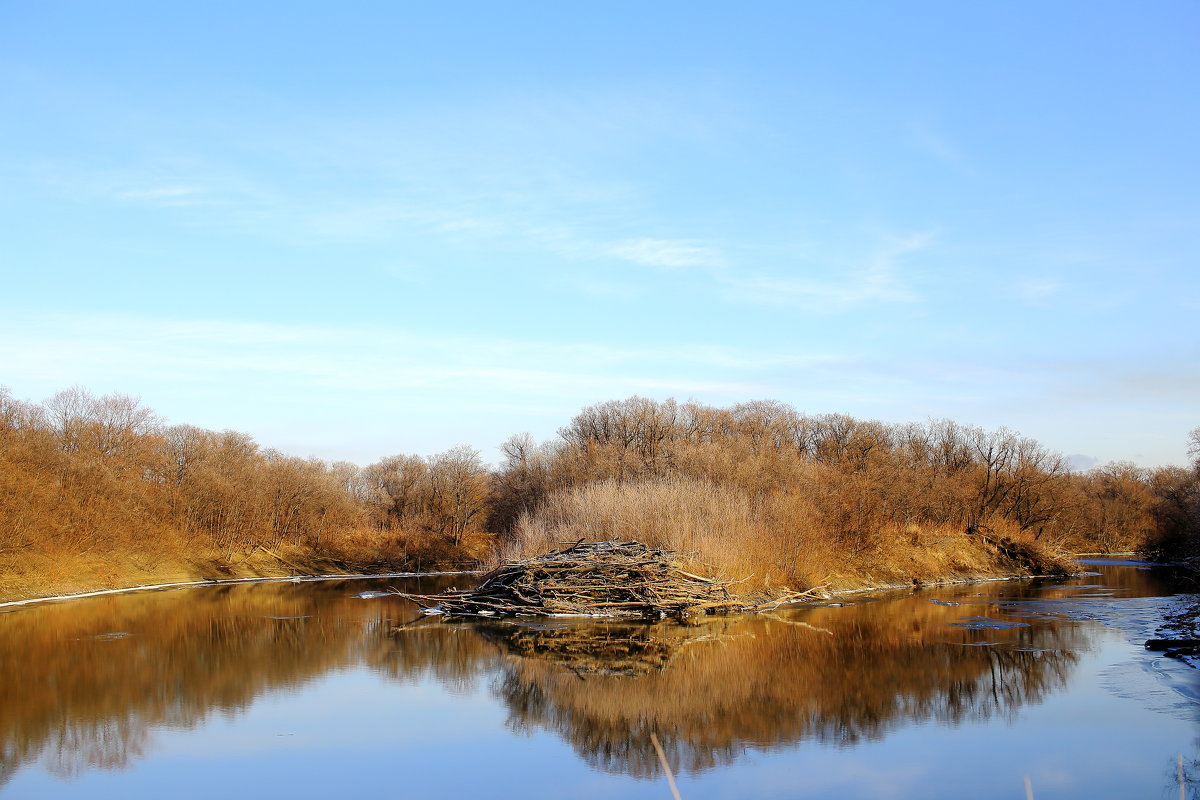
x,y
798,624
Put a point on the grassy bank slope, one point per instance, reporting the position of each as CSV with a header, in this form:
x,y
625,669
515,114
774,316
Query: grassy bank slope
x,y
50,574
760,543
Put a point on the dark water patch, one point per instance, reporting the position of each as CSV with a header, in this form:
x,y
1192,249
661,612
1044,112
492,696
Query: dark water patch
x,y
1119,562
987,624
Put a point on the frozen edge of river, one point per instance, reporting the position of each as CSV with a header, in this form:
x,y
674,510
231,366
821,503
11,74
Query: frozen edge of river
x,y
228,582
366,576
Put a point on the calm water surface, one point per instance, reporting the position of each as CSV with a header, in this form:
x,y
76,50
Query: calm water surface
x,y
307,690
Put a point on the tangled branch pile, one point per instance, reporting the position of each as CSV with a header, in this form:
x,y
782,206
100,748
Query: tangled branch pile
x,y
609,579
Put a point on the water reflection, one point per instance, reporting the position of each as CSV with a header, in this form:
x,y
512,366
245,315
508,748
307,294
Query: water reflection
x,y
599,648
835,675
84,684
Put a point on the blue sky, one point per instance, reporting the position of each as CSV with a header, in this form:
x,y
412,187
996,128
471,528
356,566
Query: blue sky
x,y
359,229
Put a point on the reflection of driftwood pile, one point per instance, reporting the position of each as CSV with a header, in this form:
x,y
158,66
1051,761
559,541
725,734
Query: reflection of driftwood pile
x,y
611,579
596,648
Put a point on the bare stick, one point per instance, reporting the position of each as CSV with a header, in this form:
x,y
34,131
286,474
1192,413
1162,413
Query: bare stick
x,y
662,759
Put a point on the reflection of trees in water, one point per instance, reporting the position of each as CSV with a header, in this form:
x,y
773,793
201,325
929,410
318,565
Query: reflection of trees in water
x,y
453,655
78,694
835,675
78,699
1147,580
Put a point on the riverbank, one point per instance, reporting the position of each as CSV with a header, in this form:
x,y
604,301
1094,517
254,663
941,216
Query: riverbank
x,y
223,582
41,576
189,584
934,562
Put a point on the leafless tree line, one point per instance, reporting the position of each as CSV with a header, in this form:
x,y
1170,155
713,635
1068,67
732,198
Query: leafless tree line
x,y
80,473
856,479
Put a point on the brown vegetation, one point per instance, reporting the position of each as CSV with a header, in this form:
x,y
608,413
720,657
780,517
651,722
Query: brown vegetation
x,y
792,500
1176,511
97,491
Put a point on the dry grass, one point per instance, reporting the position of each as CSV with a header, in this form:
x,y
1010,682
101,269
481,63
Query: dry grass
x,y
715,526
770,544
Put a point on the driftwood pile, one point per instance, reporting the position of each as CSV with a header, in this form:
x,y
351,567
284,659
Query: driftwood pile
x,y
602,579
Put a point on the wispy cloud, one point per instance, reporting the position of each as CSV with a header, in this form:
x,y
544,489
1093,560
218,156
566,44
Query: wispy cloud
x,y
156,182
304,381
877,279
165,195
934,142
839,284
372,361
513,163
551,218
1038,292
670,253
1081,462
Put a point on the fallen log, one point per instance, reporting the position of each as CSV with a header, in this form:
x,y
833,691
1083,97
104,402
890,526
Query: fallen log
x,y
1171,644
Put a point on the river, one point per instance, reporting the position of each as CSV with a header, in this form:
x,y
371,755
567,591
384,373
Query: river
x,y
338,689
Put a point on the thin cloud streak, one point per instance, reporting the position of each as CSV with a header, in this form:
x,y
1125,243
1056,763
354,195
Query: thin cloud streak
x,y
370,360
934,142
165,195
878,281
265,377
667,253
1038,292
541,215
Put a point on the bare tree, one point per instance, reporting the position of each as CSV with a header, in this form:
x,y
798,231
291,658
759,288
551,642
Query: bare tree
x,y
459,492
